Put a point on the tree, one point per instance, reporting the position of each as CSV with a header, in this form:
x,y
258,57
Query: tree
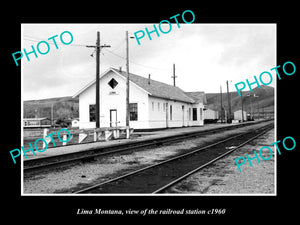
x,y
63,113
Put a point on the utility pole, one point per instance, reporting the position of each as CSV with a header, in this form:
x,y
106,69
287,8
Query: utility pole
x,y
256,96
52,121
242,107
221,104
258,111
174,77
97,80
98,49
251,105
127,89
229,103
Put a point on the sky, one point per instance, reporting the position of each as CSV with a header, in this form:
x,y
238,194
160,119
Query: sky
x,y
205,55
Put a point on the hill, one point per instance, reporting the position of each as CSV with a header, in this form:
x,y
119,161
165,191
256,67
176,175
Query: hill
x,y
68,107
63,107
264,100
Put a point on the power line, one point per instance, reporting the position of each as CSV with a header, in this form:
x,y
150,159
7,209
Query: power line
x,y
109,62
117,46
150,67
115,54
33,39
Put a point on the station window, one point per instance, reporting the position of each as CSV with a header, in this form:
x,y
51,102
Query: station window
x,y
201,111
164,106
171,112
152,106
194,114
133,111
92,113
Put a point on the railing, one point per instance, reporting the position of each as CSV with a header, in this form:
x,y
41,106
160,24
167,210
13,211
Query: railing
x,y
78,136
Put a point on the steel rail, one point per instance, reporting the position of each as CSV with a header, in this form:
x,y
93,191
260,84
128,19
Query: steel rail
x,y
93,153
160,190
86,190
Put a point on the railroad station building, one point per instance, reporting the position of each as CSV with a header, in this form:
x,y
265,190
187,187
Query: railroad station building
x,y
152,105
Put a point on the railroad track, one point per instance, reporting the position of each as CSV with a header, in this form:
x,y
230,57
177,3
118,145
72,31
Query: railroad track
x,y
45,163
158,177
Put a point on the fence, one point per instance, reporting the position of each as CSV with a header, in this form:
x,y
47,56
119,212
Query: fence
x,y
78,136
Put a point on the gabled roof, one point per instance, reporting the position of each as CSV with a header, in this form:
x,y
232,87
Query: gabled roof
x,y
158,89
197,96
155,88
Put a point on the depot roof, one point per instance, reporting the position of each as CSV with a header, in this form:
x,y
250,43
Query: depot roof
x,y
198,96
154,88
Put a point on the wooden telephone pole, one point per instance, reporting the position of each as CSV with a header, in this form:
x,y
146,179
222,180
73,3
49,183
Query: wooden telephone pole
x,y
127,89
98,49
174,77
242,106
221,104
229,104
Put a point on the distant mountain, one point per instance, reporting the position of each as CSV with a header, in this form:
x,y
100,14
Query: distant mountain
x,y
63,107
264,100
68,107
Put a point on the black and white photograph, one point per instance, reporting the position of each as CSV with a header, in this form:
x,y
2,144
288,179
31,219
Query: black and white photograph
x,y
165,116
131,112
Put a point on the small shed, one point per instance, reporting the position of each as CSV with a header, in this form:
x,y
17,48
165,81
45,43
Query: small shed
x,y
210,116
238,115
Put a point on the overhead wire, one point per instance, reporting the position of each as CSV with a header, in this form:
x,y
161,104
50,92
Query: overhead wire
x,y
150,67
117,46
34,39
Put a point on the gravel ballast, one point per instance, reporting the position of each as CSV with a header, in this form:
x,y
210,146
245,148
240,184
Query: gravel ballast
x,y
72,178
223,176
